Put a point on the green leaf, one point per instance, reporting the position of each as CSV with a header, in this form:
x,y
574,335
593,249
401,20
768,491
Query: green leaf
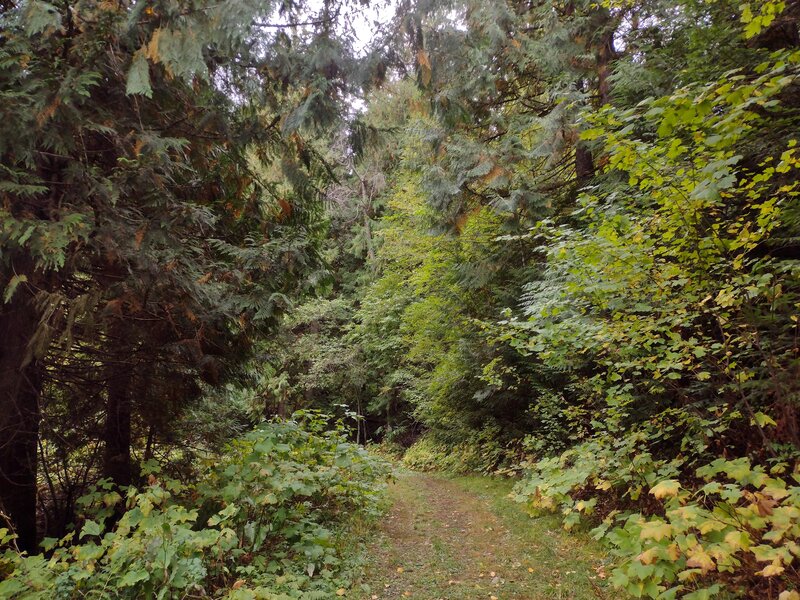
x,y
91,528
133,577
762,420
12,287
139,76
41,16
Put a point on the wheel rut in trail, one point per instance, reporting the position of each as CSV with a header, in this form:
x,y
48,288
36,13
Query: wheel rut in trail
x,y
461,539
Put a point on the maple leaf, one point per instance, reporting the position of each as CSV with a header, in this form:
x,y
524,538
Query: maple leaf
x,y
772,569
666,489
648,557
701,560
655,530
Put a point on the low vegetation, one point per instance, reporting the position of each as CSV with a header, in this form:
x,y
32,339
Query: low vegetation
x,y
558,240
274,516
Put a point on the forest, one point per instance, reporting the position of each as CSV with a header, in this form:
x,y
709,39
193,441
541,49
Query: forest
x,y
264,261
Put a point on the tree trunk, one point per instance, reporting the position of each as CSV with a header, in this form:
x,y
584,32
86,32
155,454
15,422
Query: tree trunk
x,y
584,164
605,54
367,226
117,457
20,387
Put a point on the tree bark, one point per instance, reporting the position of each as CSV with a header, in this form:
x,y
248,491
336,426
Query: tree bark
x,y
367,228
605,56
117,456
20,388
584,164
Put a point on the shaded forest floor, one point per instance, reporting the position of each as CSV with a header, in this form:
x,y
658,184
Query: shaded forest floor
x,y
463,538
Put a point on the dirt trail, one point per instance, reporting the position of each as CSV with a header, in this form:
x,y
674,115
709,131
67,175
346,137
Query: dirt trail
x,y
462,539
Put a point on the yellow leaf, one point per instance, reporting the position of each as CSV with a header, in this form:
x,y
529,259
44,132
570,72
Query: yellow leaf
x,y
340,592
666,489
789,595
701,560
673,552
772,569
688,574
775,492
648,557
400,569
709,525
655,530
738,540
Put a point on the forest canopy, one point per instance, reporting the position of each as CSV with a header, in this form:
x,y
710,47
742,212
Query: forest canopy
x,y
557,241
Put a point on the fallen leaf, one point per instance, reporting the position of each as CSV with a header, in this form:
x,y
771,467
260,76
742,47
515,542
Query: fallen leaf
x,y
764,505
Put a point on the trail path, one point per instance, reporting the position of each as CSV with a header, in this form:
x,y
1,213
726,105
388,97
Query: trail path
x,y
463,539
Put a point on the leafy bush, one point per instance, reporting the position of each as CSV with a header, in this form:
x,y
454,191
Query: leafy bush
x,y
480,452
682,525
670,304
729,527
739,532
272,518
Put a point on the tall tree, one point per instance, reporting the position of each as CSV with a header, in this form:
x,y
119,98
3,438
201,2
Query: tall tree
x,y
137,224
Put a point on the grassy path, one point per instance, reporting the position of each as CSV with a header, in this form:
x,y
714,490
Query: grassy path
x,y
462,539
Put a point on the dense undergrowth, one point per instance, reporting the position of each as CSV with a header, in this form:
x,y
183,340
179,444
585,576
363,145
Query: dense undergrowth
x,y
277,515
581,267
559,240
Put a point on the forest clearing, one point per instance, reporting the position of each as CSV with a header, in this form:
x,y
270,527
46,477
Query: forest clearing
x,y
436,299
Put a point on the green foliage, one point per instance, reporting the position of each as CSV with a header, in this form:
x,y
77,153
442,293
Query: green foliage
x,y
670,291
47,241
481,452
742,523
589,251
160,209
272,517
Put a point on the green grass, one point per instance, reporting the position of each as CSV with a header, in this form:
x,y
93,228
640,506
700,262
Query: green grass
x,y
458,538
566,564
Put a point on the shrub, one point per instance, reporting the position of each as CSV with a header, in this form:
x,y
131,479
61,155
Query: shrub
x,y
726,527
272,518
481,452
